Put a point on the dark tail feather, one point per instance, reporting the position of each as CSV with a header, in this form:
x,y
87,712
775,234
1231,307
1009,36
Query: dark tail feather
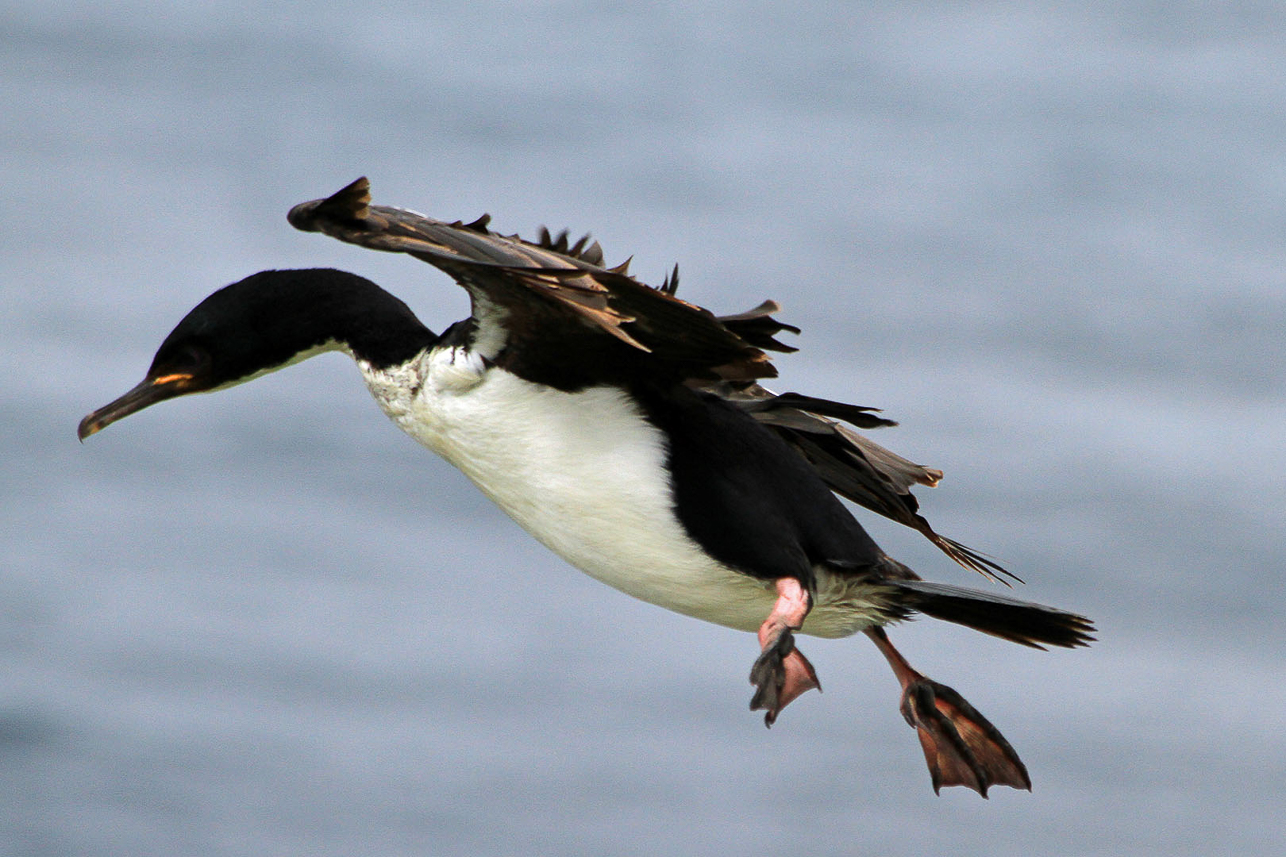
x,y
1023,622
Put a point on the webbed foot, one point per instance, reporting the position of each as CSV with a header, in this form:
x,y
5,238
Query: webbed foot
x,y
961,747
781,673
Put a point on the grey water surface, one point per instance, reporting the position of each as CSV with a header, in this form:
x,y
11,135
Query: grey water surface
x,y
1048,238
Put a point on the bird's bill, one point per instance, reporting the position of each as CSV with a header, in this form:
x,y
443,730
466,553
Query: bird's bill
x,y
151,391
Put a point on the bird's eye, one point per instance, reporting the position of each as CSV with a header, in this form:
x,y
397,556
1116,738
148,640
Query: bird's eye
x,y
188,360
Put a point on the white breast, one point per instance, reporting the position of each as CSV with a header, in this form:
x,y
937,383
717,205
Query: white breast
x,y
583,472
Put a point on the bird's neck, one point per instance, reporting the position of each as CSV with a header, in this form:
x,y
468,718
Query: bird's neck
x,y
375,327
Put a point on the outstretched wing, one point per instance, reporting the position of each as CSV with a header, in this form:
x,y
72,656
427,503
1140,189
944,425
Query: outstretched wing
x,y
556,303
561,309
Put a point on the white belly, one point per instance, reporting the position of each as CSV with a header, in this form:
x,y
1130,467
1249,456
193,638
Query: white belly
x,y
585,474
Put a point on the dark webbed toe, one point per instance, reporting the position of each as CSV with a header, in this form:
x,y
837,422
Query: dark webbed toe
x,y
768,675
780,674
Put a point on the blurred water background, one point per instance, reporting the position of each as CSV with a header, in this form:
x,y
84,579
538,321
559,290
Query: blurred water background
x,y
1047,237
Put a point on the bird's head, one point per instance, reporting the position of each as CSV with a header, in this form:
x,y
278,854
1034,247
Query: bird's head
x,y
265,322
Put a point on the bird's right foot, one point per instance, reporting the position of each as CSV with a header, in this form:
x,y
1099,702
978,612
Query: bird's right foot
x,y
961,747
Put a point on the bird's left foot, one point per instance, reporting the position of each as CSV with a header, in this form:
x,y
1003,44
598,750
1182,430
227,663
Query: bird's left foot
x,y
781,672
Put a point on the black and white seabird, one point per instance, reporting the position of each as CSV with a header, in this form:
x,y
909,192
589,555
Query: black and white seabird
x,y
626,429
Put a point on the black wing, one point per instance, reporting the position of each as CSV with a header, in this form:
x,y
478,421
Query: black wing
x,y
555,302
851,465
561,308
854,466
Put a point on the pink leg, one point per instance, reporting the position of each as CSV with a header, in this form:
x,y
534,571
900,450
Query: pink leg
x,y
961,746
781,673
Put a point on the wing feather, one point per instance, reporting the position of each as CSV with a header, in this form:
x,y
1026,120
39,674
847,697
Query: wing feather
x,y
854,466
560,299
515,274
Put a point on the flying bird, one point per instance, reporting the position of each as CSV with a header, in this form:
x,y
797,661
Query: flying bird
x,y
628,431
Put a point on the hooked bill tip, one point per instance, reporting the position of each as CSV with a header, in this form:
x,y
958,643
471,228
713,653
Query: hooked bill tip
x,y
149,392
86,428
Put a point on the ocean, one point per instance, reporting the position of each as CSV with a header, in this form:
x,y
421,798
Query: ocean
x,y
1047,238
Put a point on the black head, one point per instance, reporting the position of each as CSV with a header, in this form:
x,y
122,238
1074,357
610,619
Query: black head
x,y
267,321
